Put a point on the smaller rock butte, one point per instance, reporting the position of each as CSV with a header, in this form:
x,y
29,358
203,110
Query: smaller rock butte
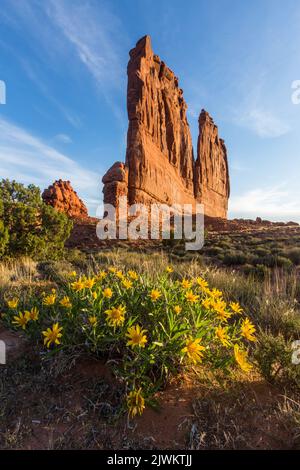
x,y
63,198
160,165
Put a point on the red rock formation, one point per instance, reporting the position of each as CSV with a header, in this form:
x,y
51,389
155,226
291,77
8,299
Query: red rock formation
x,y
160,165
63,198
115,183
159,152
211,169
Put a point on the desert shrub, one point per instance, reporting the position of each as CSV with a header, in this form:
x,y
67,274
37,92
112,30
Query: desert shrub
x,y
225,244
213,250
274,358
172,242
3,232
261,251
294,255
34,228
271,261
283,262
235,258
254,240
148,328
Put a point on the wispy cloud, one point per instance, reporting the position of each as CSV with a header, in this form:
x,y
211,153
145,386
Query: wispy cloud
x,y
262,122
86,34
64,138
29,159
274,203
94,37
238,166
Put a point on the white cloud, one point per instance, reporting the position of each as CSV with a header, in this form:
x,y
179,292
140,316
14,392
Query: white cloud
x,y
93,37
64,138
60,31
29,159
264,123
275,203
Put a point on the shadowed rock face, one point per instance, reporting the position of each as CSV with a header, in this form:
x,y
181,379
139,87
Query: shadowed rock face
x,y
63,198
160,165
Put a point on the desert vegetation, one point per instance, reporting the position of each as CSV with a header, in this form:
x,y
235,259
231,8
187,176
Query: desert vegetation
x,y
149,327
128,337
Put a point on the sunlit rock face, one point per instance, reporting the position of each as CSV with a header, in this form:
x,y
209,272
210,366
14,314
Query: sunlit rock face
x,y
63,198
160,164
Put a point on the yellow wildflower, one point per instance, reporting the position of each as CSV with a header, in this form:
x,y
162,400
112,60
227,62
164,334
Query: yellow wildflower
x,y
135,403
94,295
101,275
49,299
219,307
107,293
193,349
248,330
222,335
133,275
241,358
65,302
119,274
115,316
169,269
190,297
89,283
112,269
21,320
202,282
186,284
127,283
32,314
177,309
78,285
52,335
206,303
136,336
13,303
216,293
235,307
93,320
155,294
73,274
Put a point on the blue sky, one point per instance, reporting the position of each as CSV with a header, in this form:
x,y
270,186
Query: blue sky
x,y
64,65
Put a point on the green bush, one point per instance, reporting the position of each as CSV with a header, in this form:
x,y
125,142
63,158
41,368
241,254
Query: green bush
x,y
3,232
294,255
213,250
260,251
274,358
283,262
30,227
149,330
235,258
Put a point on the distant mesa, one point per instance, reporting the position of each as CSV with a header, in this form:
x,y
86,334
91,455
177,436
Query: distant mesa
x,y
160,164
63,198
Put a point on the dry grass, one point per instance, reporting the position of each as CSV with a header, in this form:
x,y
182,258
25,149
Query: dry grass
x,y
22,270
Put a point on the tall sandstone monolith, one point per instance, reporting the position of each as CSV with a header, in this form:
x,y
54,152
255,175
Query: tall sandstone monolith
x,y
211,174
160,164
